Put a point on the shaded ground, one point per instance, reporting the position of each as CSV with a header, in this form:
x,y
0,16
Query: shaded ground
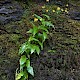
x,y
60,59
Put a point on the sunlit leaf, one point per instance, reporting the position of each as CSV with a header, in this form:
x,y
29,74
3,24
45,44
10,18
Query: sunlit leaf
x,y
22,66
32,49
45,36
19,75
30,31
35,30
30,70
22,48
22,59
37,49
28,63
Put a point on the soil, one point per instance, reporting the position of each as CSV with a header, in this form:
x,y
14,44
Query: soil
x,y
60,59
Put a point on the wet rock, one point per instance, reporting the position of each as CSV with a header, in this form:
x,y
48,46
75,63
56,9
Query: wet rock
x,y
75,15
74,11
9,11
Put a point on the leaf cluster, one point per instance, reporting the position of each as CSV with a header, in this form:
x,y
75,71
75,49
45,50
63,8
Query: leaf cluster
x,y
38,35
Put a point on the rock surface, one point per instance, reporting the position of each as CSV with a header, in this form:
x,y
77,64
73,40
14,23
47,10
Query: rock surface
x,y
74,12
9,11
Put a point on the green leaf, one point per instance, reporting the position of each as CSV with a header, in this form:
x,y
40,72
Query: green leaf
x,y
46,16
43,28
35,30
22,48
40,36
25,75
32,39
37,49
43,22
30,31
28,63
30,70
22,59
51,51
41,44
44,36
22,66
49,24
22,78
19,75
32,49
40,18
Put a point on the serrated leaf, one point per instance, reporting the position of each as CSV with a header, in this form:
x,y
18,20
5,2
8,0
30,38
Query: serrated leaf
x,y
22,48
28,63
30,70
22,59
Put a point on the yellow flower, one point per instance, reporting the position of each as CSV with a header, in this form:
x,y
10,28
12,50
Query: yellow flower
x,y
67,5
53,11
58,8
43,7
35,19
62,10
47,0
47,10
66,11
